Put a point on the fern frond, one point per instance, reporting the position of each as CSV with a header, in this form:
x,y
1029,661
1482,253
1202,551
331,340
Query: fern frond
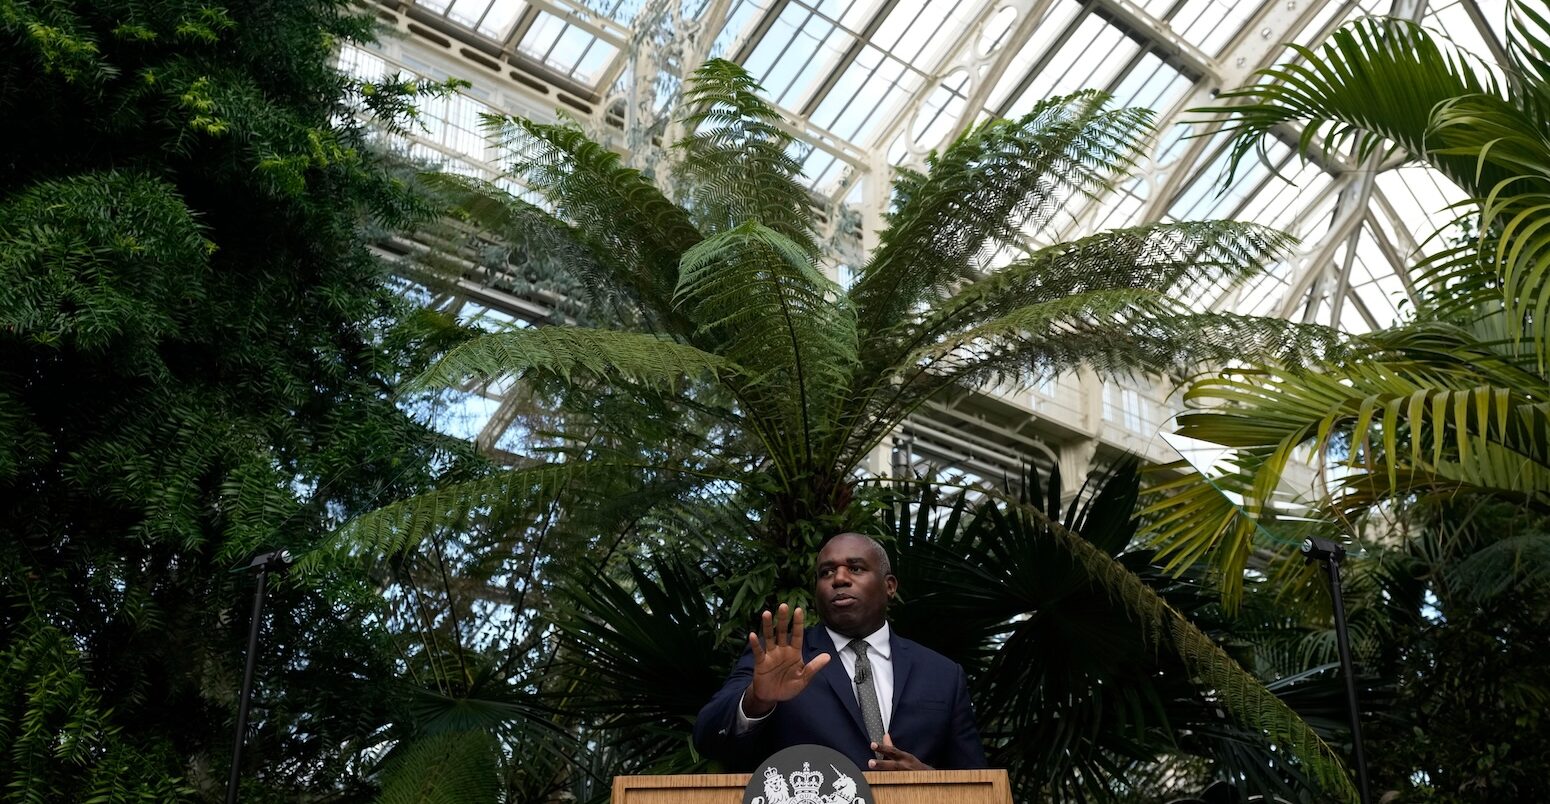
x,y
757,296
1178,259
736,159
1117,333
566,352
533,234
981,193
403,525
623,213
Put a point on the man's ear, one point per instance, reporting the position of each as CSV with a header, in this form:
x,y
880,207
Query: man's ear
x,y
892,584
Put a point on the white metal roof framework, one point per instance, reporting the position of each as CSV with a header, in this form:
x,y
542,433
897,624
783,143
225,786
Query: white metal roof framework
x,y
873,84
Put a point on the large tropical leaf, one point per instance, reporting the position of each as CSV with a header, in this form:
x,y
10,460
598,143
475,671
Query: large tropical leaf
x,y
1006,590
644,653
1178,259
536,242
1385,83
516,498
619,211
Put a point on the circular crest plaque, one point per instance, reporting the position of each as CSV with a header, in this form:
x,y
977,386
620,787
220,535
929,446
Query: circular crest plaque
x,y
807,774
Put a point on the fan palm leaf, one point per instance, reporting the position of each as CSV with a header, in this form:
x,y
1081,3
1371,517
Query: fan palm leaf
x,y
1009,583
1451,403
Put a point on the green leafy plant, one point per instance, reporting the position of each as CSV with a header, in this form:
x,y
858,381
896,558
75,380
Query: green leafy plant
x,y
725,313
1452,402
196,356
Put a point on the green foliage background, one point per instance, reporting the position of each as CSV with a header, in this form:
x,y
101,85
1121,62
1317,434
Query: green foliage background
x,y
199,359
196,354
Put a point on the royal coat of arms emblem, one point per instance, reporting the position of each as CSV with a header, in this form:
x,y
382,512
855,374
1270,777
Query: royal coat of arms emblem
x,y
806,788
811,784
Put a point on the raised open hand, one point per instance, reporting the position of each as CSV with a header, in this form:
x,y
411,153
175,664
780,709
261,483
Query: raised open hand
x,y
778,671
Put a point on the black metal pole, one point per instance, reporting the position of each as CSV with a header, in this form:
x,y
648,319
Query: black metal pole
x,y
261,566
1330,554
1343,642
247,687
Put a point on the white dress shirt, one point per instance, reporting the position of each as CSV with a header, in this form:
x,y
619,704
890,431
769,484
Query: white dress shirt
x,y
880,654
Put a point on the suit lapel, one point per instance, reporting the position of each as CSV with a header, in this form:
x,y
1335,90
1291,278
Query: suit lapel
x,y
902,663
817,641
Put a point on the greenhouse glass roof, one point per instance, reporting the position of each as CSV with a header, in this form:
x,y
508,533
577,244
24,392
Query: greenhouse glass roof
x,y
874,84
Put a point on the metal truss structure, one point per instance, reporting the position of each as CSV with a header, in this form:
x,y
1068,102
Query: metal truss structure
x,y
871,85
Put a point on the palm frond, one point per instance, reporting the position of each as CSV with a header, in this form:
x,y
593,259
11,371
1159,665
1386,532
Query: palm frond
x,y
979,195
1376,80
1242,695
1008,580
1397,416
736,159
644,654
1528,50
569,352
1389,81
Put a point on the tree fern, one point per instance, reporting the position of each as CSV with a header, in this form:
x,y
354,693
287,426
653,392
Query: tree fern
x,y
623,215
756,294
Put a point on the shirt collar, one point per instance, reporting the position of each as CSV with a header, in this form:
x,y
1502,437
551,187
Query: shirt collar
x,y
878,642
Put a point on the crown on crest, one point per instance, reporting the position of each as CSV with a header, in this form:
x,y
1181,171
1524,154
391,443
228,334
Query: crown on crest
x,y
806,781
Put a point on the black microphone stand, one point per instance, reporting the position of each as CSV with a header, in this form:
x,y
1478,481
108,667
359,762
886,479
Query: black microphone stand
x,y
1330,555
262,565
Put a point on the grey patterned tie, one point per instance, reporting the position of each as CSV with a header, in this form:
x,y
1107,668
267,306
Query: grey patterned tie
x,y
866,692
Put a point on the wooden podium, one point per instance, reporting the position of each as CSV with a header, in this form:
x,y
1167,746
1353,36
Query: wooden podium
x,y
889,787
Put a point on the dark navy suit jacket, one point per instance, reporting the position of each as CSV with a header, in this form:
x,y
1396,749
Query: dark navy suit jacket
x,y
932,717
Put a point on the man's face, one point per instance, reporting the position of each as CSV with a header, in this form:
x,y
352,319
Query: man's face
x,y
852,589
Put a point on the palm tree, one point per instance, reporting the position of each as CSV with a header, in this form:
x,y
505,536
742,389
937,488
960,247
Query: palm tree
x,y
727,314
1452,402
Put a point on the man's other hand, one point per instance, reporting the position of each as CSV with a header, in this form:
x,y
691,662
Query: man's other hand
x,y
891,757
778,671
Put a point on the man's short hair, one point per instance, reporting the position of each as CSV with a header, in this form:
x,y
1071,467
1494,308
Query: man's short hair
x,y
877,547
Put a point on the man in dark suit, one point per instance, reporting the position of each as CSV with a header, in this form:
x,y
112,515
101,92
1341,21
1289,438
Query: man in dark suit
x,y
887,703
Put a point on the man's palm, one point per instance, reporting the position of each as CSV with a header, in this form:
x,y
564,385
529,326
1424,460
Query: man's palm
x,y
779,673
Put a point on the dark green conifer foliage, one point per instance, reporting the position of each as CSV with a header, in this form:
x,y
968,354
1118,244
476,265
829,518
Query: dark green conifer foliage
x,y
196,352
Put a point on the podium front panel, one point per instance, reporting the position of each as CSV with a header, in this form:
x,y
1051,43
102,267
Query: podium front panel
x,y
892,787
